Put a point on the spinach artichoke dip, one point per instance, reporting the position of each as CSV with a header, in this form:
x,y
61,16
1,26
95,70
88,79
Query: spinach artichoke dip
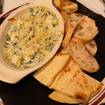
x,y
31,37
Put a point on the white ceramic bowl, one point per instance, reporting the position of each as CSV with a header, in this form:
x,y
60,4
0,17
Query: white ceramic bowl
x,y
11,74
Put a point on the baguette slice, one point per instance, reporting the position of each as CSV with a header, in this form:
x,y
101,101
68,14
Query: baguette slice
x,y
82,56
71,24
57,3
65,17
75,83
69,32
69,7
91,46
62,98
47,74
66,5
86,30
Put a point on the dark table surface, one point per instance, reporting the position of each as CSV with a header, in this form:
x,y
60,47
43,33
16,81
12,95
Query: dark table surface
x,y
30,92
26,92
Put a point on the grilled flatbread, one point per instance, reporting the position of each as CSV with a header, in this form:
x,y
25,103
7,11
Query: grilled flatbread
x,y
62,98
47,74
74,83
80,54
91,46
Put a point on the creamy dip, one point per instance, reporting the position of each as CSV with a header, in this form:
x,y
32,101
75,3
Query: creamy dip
x,y
31,37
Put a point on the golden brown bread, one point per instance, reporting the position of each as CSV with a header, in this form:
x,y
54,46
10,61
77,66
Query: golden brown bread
x,y
74,83
69,7
66,5
82,56
91,46
86,30
70,28
47,73
72,22
57,3
80,26
65,17
62,98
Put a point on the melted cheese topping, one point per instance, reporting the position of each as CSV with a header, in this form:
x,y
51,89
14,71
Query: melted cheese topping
x,y
32,37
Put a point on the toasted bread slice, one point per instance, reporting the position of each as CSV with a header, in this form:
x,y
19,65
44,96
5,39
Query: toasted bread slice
x,y
69,7
65,17
57,3
71,24
66,5
91,46
86,30
82,56
47,74
62,98
68,33
75,83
